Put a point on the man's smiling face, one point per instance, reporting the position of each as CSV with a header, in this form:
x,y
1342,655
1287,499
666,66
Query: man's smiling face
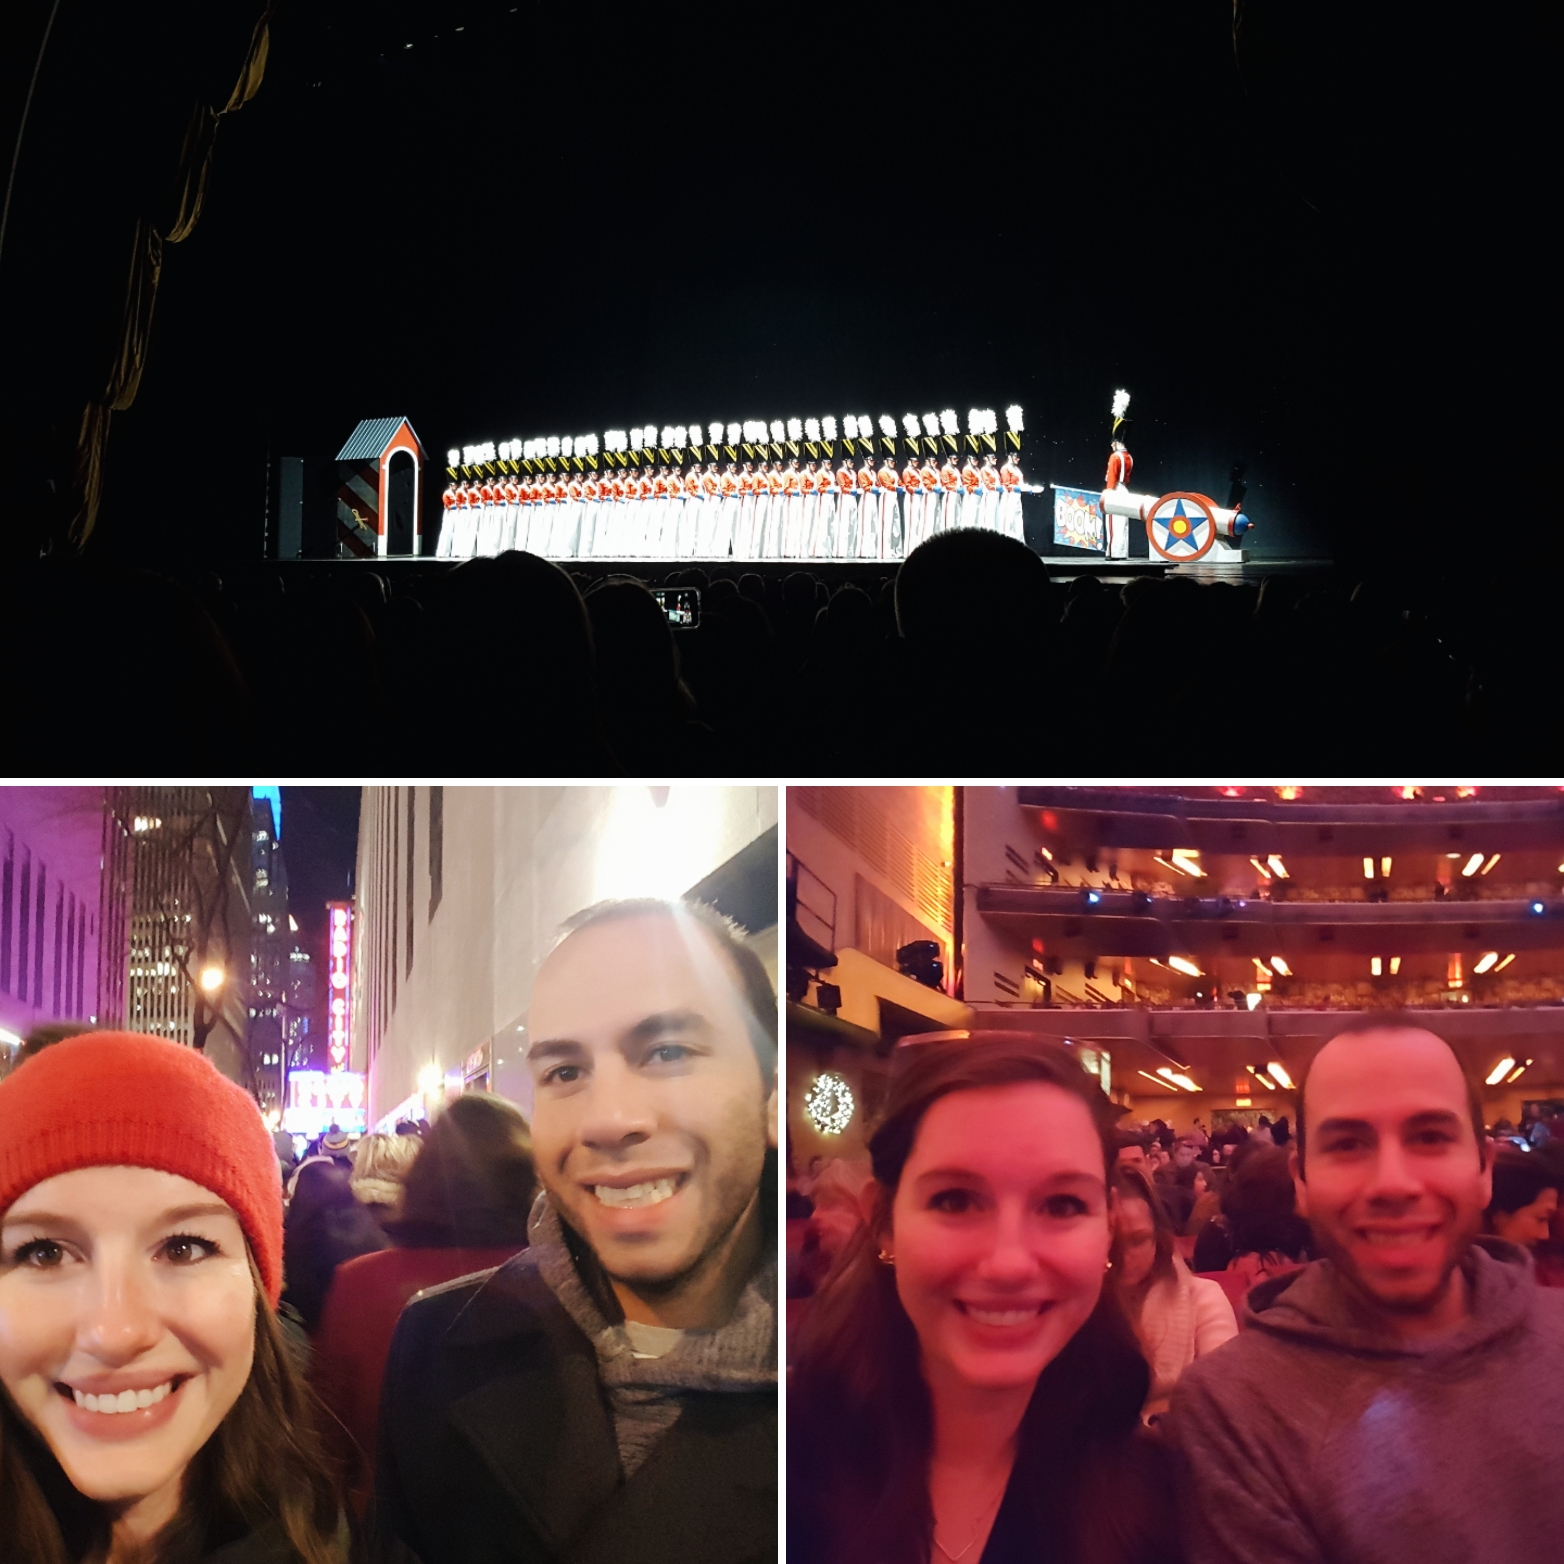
x,y
1392,1178
652,1116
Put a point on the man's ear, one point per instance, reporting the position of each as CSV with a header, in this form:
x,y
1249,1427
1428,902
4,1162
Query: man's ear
x,y
1300,1189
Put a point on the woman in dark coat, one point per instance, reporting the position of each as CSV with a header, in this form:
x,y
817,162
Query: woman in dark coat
x,y
325,1225
464,1208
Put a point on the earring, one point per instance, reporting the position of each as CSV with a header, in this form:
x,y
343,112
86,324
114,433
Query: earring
x,y
886,1259
1107,1265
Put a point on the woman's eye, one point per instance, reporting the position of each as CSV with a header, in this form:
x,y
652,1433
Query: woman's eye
x,y
952,1201
42,1254
1061,1207
186,1249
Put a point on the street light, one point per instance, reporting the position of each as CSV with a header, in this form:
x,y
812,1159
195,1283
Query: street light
x,y
212,979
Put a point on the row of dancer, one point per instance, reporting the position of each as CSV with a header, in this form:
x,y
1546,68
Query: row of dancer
x,y
753,511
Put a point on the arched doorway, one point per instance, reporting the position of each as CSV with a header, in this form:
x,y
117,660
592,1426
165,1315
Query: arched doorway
x,y
400,491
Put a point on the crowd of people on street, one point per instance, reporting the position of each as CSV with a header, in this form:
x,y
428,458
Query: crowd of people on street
x,y
493,1338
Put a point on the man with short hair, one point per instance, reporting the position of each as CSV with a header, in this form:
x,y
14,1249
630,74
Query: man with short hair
x,y
1132,1152
1366,1413
610,1393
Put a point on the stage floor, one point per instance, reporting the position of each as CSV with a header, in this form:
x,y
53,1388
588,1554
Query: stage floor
x,y
865,572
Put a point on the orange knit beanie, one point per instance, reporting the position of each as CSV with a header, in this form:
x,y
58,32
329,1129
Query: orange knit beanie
x,y
118,1099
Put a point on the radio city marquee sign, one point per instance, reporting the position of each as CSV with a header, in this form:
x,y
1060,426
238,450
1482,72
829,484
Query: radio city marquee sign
x,y
339,967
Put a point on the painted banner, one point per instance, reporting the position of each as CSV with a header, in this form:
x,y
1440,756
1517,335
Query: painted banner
x,y
1077,521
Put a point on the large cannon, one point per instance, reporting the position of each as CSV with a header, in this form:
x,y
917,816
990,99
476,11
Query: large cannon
x,y
1180,526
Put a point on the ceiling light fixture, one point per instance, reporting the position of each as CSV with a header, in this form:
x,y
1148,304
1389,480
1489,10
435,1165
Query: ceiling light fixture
x,y
1500,1070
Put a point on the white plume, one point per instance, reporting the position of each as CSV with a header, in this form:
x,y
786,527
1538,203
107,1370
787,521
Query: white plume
x,y
553,445
828,426
811,428
909,422
887,426
931,424
1013,418
591,444
1121,403
733,434
637,437
714,434
949,422
453,458
567,446
850,426
795,429
974,420
778,432
615,439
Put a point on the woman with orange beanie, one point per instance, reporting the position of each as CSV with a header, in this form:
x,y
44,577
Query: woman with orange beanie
x,y
148,1410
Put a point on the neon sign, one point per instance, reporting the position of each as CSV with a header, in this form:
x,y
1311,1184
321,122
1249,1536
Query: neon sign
x,y
339,1004
317,1099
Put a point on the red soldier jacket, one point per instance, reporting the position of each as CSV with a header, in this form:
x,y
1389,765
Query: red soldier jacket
x,y
911,479
929,477
730,485
793,480
1120,465
1010,476
950,477
887,477
866,479
989,476
845,479
969,479
710,483
775,483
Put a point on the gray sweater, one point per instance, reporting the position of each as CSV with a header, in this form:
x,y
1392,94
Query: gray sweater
x,y
1312,1436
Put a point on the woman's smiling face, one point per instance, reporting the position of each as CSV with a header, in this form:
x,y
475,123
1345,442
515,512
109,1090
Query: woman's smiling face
x,y
127,1325
1000,1232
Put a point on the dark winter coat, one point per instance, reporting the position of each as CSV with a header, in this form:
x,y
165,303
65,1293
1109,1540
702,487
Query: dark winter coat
x,y
497,1446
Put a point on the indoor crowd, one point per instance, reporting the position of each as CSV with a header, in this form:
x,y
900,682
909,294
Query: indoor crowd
x,y
1025,1327
511,664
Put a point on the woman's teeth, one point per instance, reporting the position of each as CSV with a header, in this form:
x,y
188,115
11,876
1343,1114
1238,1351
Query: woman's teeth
x,y
648,1194
1000,1316
125,1401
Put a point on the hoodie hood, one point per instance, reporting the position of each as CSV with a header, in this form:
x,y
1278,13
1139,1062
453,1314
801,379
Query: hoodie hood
x,y
1316,1305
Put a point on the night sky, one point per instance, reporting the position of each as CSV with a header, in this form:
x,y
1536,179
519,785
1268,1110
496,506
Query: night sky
x,y
320,846
554,219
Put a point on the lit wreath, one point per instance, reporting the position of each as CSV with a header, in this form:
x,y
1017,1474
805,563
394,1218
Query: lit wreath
x,y
829,1103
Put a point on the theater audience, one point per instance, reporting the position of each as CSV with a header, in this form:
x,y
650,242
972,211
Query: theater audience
x,y
494,659
1259,1231
1176,1317
1525,1197
965,1386
1369,1409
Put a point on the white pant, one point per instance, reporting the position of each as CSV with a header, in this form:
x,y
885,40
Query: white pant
x,y
1118,537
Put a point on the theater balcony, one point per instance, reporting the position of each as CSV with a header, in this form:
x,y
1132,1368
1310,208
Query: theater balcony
x,y
1203,934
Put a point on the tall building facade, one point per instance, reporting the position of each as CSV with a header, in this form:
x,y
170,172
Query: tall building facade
x,y
271,943
181,860
51,910
461,892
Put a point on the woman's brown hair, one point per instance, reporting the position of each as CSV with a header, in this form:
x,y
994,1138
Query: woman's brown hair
x,y
860,1420
1132,1184
263,1466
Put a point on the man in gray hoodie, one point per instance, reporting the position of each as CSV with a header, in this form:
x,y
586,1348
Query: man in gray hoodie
x,y
1373,1409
